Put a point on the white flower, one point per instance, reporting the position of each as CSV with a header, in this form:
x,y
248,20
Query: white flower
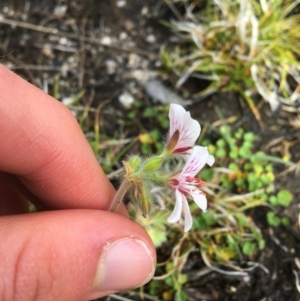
x,y
186,185
184,130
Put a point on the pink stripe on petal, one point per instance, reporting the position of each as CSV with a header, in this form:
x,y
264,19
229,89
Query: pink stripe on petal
x,y
196,161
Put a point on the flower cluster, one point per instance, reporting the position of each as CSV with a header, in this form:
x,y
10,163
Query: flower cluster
x,y
183,133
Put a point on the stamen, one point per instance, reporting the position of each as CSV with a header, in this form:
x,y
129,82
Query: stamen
x,y
189,179
195,180
202,182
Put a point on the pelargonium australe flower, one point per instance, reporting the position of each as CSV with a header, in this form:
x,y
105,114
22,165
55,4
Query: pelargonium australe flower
x,y
186,186
183,132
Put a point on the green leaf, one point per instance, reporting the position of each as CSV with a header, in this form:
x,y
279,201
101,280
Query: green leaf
x,y
207,174
158,237
247,166
239,133
233,167
169,281
272,219
258,169
131,115
233,154
150,112
284,197
155,134
221,153
247,145
199,223
181,296
242,220
182,279
240,182
285,221
273,200
146,149
209,218
249,136
248,248
221,143
261,244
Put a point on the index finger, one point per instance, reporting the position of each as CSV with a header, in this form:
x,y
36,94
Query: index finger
x,y
42,143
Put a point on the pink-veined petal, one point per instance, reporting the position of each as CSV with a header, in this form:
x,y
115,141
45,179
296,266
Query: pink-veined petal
x,y
189,131
200,200
176,214
189,128
196,161
188,220
176,115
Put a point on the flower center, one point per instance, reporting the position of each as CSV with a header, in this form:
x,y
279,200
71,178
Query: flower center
x,y
195,181
174,182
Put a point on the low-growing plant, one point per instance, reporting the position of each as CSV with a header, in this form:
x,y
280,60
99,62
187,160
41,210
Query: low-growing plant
x,y
224,235
246,46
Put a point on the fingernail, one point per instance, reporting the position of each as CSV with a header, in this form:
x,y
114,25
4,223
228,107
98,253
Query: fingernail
x,y
124,264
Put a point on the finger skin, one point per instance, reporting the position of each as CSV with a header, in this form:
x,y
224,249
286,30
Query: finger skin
x,y
11,200
54,255
63,266
42,143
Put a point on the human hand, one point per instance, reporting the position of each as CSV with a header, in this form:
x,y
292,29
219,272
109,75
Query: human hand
x,y
72,249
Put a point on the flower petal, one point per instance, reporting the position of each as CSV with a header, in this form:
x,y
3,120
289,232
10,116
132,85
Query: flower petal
x,y
189,128
188,220
176,115
200,200
176,214
196,161
210,160
189,131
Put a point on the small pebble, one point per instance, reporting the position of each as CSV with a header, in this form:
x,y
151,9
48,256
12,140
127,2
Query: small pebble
x,y
106,40
47,50
121,3
123,35
126,99
60,10
111,66
63,41
150,38
144,11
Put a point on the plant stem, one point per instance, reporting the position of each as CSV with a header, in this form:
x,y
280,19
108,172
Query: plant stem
x,y
119,195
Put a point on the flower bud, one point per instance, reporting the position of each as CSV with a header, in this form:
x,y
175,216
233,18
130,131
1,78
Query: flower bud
x,y
145,205
134,162
152,164
141,196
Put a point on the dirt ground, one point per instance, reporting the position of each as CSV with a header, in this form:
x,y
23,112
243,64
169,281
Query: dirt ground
x,y
111,49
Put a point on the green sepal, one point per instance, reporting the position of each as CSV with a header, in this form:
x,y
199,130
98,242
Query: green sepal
x,y
152,164
134,162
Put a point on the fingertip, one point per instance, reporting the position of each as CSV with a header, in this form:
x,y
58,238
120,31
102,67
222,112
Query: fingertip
x,y
73,255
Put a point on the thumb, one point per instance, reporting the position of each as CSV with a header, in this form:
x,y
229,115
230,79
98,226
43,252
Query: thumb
x,y
72,255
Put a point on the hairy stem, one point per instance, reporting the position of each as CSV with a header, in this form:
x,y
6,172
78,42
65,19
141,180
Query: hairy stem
x,y
119,195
